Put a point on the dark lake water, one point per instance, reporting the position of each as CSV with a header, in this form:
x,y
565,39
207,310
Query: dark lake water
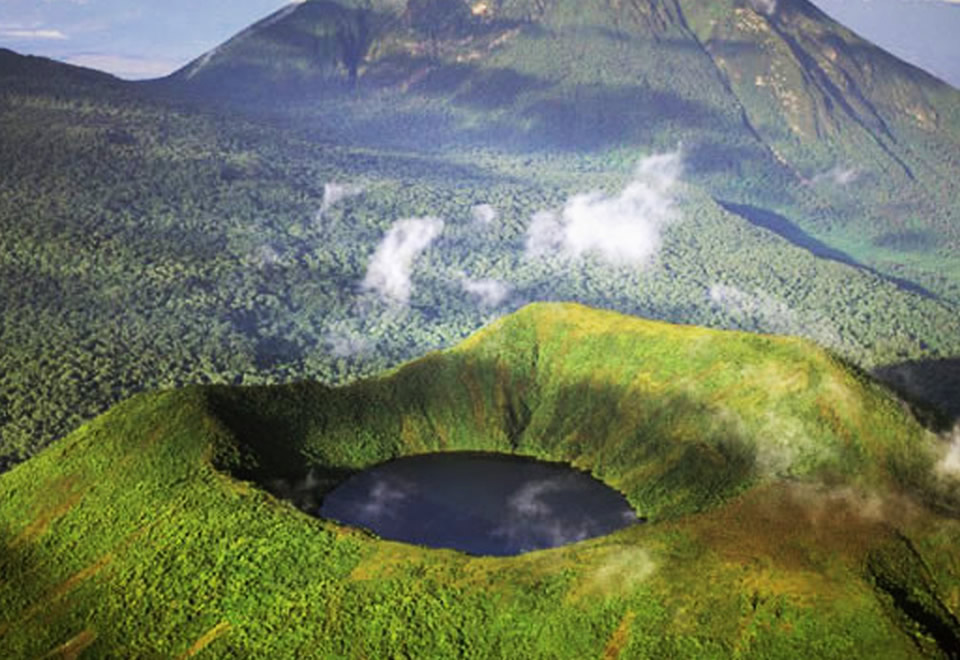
x,y
483,504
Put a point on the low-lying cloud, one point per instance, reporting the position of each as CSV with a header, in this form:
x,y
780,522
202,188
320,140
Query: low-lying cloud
x,y
771,315
389,271
765,7
344,343
334,193
483,214
949,465
838,175
622,230
302,493
487,292
264,256
129,67
24,33
620,571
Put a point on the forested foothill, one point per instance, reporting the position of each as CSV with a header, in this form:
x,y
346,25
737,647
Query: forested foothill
x,y
344,186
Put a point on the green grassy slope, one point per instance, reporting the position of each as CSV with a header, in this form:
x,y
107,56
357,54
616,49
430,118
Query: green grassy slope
x,y
789,501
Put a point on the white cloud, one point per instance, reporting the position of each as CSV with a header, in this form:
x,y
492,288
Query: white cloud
x,y
765,7
389,271
344,343
337,192
786,443
621,571
949,465
773,315
544,235
483,214
769,314
488,292
838,175
264,256
301,493
32,34
622,230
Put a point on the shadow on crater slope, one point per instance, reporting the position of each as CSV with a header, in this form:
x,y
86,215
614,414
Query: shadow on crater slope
x,y
663,456
661,413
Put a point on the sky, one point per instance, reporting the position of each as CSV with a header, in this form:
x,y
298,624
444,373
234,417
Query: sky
x,y
922,32
138,39
132,39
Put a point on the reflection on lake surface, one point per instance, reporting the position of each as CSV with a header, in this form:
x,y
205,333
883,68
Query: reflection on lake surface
x,y
484,504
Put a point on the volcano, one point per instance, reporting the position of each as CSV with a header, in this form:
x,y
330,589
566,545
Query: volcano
x,y
793,507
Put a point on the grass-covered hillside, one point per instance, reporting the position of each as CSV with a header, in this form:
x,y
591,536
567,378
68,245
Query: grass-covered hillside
x,y
149,243
794,510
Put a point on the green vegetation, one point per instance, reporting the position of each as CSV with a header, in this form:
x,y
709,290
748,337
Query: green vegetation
x,y
182,235
149,243
785,493
790,111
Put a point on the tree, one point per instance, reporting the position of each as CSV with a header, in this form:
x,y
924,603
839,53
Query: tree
x,y
354,37
437,20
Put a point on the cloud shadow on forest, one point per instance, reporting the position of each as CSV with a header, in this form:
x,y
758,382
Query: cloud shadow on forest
x,y
528,111
784,228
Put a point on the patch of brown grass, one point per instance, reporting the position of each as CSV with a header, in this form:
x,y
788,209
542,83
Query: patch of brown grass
x,y
792,523
206,640
619,638
390,558
73,647
61,496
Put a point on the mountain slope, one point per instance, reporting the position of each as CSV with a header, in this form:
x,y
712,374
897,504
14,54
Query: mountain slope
x,y
885,22
14,65
782,109
769,535
818,94
146,243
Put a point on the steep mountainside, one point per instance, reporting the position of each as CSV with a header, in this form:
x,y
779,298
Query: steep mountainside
x,y
886,23
782,108
794,509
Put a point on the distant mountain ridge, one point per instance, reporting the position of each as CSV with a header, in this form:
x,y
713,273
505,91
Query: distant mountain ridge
x,y
385,43
779,84
919,32
15,64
